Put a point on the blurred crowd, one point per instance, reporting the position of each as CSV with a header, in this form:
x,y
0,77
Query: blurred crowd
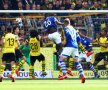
x,y
53,4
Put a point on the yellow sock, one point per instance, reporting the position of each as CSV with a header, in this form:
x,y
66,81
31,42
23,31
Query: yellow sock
x,y
43,66
82,47
2,67
20,64
70,64
106,69
31,71
96,68
60,72
13,70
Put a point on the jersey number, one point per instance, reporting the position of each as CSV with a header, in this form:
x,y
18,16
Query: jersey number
x,y
47,23
11,41
34,46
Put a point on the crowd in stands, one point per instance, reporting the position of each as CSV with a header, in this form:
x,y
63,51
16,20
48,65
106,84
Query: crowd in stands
x,y
53,4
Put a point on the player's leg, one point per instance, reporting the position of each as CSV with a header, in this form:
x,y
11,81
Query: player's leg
x,y
11,57
65,53
28,60
106,66
91,67
56,38
98,58
75,55
42,58
2,68
22,67
62,65
70,65
106,63
31,67
23,60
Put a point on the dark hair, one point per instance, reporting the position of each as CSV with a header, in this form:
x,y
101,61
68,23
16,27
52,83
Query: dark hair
x,y
48,15
14,28
33,33
72,21
9,29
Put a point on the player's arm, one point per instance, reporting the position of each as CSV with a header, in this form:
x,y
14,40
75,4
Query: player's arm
x,y
105,45
90,46
84,36
47,44
17,42
57,22
63,38
2,41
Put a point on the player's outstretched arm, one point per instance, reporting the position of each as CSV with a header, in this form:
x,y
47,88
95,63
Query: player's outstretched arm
x,y
58,22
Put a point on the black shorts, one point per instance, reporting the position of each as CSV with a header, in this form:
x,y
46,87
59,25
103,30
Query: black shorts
x,y
18,54
8,57
34,58
101,55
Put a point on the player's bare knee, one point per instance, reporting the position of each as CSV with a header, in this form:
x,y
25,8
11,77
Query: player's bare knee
x,y
62,57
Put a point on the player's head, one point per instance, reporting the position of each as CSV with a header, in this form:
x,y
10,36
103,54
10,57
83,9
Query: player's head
x,y
84,32
9,30
67,21
33,33
16,30
105,30
48,15
103,33
72,22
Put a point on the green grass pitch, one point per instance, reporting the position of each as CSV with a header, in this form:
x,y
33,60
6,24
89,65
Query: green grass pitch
x,y
54,85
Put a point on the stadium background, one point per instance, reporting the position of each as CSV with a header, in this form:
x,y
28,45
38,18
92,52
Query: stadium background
x,y
53,4
93,23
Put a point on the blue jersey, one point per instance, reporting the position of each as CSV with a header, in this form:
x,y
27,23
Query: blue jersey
x,y
71,37
50,21
86,43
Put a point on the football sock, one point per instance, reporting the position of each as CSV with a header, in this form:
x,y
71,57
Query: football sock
x,y
62,66
96,68
92,68
13,70
79,68
2,67
106,69
20,64
70,64
43,66
31,71
60,72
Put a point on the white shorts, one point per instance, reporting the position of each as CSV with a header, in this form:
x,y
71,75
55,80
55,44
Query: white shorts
x,y
84,56
70,51
55,37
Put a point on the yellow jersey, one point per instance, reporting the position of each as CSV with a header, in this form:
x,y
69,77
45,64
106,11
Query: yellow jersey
x,y
34,47
103,40
9,43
